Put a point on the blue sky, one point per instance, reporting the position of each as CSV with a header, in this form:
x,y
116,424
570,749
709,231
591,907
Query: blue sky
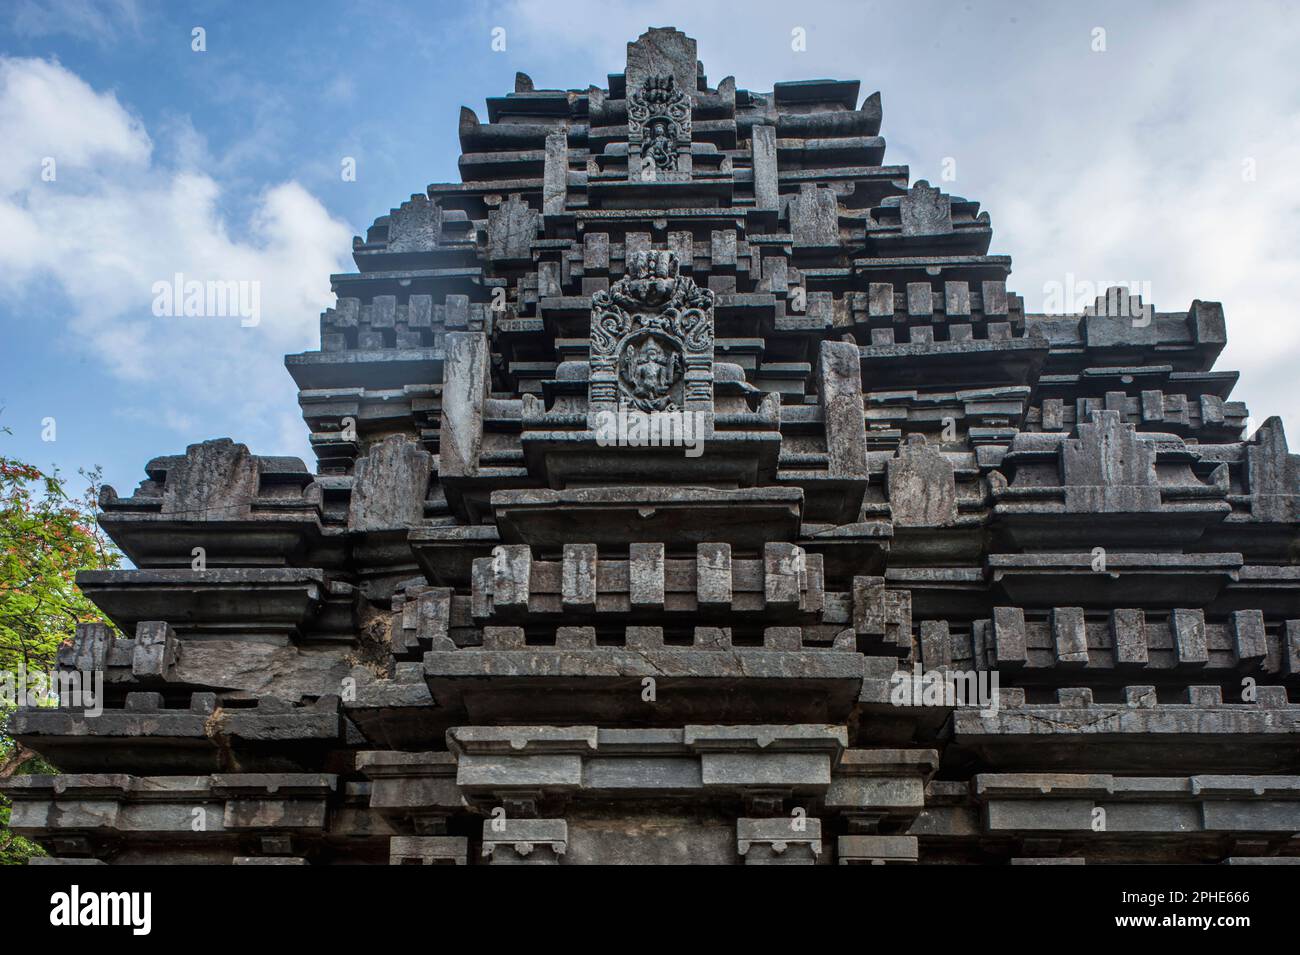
x,y
1170,157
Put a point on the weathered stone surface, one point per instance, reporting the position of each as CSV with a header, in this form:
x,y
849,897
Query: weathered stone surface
x,y
662,52
925,211
846,439
156,650
876,850
511,228
922,488
428,850
766,195
217,481
525,841
779,841
390,485
675,469
556,172
415,226
814,217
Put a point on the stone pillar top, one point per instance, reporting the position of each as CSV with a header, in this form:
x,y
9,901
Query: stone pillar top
x,y
662,51
661,82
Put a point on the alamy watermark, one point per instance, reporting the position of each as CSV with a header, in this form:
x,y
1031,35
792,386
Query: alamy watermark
x,y
629,428
191,298
79,689
1129,300
946,687
89,908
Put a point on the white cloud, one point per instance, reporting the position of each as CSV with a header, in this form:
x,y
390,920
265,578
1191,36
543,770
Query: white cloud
x,y
1121,165
117,220
46,111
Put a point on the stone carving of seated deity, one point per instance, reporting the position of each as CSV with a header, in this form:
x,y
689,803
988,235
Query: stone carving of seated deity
x,y
661,147
650,372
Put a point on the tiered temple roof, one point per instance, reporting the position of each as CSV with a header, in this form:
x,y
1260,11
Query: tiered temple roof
x,y
485,627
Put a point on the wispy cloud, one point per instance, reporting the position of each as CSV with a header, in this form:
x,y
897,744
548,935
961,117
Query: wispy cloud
x,y
101,21
115,219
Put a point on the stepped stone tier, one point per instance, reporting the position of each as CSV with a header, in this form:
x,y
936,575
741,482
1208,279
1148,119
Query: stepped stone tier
x,y
498,623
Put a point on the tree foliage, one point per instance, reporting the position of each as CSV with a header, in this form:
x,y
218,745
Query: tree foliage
x,y
46,535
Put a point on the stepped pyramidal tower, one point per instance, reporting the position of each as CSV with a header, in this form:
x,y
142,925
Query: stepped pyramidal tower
x,y
689,487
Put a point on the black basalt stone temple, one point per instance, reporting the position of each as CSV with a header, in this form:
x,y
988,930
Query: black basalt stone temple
x,y
478,631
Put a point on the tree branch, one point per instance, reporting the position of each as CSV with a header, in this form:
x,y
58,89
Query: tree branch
x,y
19,756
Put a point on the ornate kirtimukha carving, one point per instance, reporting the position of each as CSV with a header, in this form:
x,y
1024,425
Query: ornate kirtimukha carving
x,y
658,123
652,340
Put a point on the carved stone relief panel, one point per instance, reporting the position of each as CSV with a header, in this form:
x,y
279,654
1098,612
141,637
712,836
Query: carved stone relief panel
x,y
652,340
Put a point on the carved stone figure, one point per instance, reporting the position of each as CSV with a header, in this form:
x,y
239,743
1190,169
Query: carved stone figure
x,y
660,147
649,372
659,121
652,339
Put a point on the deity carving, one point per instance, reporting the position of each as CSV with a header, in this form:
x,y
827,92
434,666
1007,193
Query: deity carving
x,y
659,122
649,372
661,148
652,339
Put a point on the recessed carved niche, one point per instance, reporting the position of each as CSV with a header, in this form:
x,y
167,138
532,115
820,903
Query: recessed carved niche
x,y
659,131
651,341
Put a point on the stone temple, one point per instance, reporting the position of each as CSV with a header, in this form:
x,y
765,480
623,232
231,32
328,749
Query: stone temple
x,y
690,488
